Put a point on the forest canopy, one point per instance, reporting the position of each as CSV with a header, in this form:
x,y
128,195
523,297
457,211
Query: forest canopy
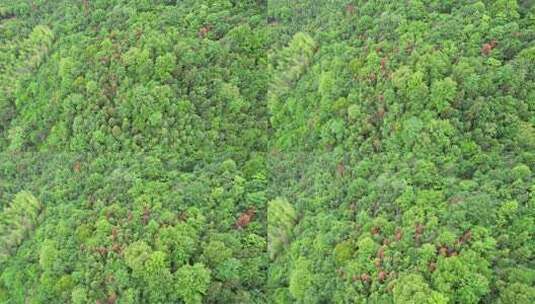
x,y
225,151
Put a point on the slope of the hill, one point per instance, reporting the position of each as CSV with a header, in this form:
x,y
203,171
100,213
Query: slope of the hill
x,y
132,142
341,151
402,149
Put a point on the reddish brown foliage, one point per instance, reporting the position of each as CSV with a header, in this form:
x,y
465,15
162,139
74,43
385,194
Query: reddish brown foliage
x,y
245,218
350,9
114,233
486,49
183,216
466,237
419,228
117,248
381,113
446,251
455,200
341,169
77,167
376,230
112,298
384,62
377,263
443,250
381,276
432,267
103,251
399,234
146,215
204,31
381,252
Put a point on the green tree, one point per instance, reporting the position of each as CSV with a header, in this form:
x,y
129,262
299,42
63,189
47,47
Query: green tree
x,y
281,220
517,293
301,280
17,220
191,283
463,277
135,255
412,288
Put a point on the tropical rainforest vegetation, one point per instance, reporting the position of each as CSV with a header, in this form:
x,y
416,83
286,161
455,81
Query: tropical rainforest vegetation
x,y
402,150
249,151
133,136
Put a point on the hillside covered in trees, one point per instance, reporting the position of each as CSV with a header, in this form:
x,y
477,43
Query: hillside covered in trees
x,y
133,137
249,151
402,151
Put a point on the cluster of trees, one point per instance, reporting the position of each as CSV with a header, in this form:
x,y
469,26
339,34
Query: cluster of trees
x,y
133,229
19,60
225,151
405,148
139,128
16,222
142,77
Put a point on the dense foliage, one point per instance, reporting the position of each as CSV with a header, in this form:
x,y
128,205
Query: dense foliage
x,y
403,139
244,151
133,136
